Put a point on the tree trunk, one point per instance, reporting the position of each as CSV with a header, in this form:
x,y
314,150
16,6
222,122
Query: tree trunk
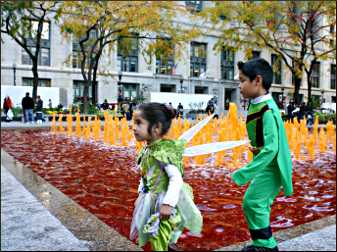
x,y
297,84
35,79
87,84
85,97
309,90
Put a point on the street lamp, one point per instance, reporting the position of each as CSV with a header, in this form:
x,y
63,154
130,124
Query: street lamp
x,y
282,89
119,77
322,98
181,85
14,73
120,96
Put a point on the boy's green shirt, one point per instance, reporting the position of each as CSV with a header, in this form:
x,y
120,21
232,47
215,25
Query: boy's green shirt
x,y
266,130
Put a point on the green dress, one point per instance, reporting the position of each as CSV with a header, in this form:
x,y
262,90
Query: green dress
x,y
268,173
146,224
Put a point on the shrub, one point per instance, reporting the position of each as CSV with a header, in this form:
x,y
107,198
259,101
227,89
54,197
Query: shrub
x,y
324,118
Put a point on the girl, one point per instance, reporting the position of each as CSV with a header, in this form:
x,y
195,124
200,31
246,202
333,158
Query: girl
x,y
165,203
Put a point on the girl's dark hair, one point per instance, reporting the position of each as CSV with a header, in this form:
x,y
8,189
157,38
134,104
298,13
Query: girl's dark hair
x,y
155,113
255,67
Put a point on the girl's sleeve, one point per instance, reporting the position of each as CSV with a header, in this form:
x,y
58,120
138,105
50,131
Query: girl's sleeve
x,y
175,183
140,187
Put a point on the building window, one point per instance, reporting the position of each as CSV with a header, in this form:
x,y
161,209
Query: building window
x,y
44,54
333,76
315,75
78,90
76,50
76,54
129,91
42,60
333,99
227,64
194,5
164,62
128,54
200,90
168,88
276,64
198,59
42,82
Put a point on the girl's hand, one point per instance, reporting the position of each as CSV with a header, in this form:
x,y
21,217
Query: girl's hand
x,y
165,211
254,150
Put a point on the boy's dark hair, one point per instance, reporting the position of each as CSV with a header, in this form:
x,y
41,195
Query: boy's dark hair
x,y
155,112
255,67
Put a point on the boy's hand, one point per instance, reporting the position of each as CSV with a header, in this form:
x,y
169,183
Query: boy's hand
x,y
254,150
165,211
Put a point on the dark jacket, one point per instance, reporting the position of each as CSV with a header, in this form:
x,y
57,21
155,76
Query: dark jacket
x,y
39,105
27,103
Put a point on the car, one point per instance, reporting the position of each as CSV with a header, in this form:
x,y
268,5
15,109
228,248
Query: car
x,y
325,111
328,107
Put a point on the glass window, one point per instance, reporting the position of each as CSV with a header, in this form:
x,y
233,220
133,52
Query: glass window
x,y
44,53
165,63
315,75
43,58
42,82
333,76
78,89
128,54
276,64
194,5
45,29
227,64
198,59
201,90
168,88
25,59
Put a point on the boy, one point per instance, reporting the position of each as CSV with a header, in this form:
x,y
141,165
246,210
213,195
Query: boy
x,y
271,167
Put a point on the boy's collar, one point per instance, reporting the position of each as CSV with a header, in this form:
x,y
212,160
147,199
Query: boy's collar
x,y
261,98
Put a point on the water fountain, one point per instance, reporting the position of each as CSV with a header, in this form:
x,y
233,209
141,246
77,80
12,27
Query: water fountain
x,y
106,185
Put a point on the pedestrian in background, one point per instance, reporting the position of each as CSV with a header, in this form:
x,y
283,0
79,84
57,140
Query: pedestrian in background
x,y
27,108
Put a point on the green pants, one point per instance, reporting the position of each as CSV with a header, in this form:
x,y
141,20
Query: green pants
x,y
169,232
257,201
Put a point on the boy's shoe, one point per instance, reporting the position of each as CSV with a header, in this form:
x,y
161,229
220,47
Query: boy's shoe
x,y
173,247
252,248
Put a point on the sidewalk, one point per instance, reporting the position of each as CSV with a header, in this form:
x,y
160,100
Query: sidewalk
x,y
320,240
27,225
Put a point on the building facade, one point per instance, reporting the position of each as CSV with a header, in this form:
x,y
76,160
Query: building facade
x,y
200,70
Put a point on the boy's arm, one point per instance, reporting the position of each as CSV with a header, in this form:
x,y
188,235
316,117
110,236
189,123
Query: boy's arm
x,y
265,156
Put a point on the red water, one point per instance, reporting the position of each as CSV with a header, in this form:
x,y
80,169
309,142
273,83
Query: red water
x,y
104,180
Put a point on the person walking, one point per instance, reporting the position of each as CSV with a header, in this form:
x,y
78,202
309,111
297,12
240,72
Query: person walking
x,y
39,110
270,171
27,108
8,106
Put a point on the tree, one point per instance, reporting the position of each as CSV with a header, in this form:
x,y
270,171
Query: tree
x,y
285,27
111,21
25,22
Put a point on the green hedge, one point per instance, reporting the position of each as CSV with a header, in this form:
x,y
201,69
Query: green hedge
x,y
324,118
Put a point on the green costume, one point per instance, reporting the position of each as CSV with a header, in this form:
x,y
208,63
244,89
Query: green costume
x,y
146,223
269,170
